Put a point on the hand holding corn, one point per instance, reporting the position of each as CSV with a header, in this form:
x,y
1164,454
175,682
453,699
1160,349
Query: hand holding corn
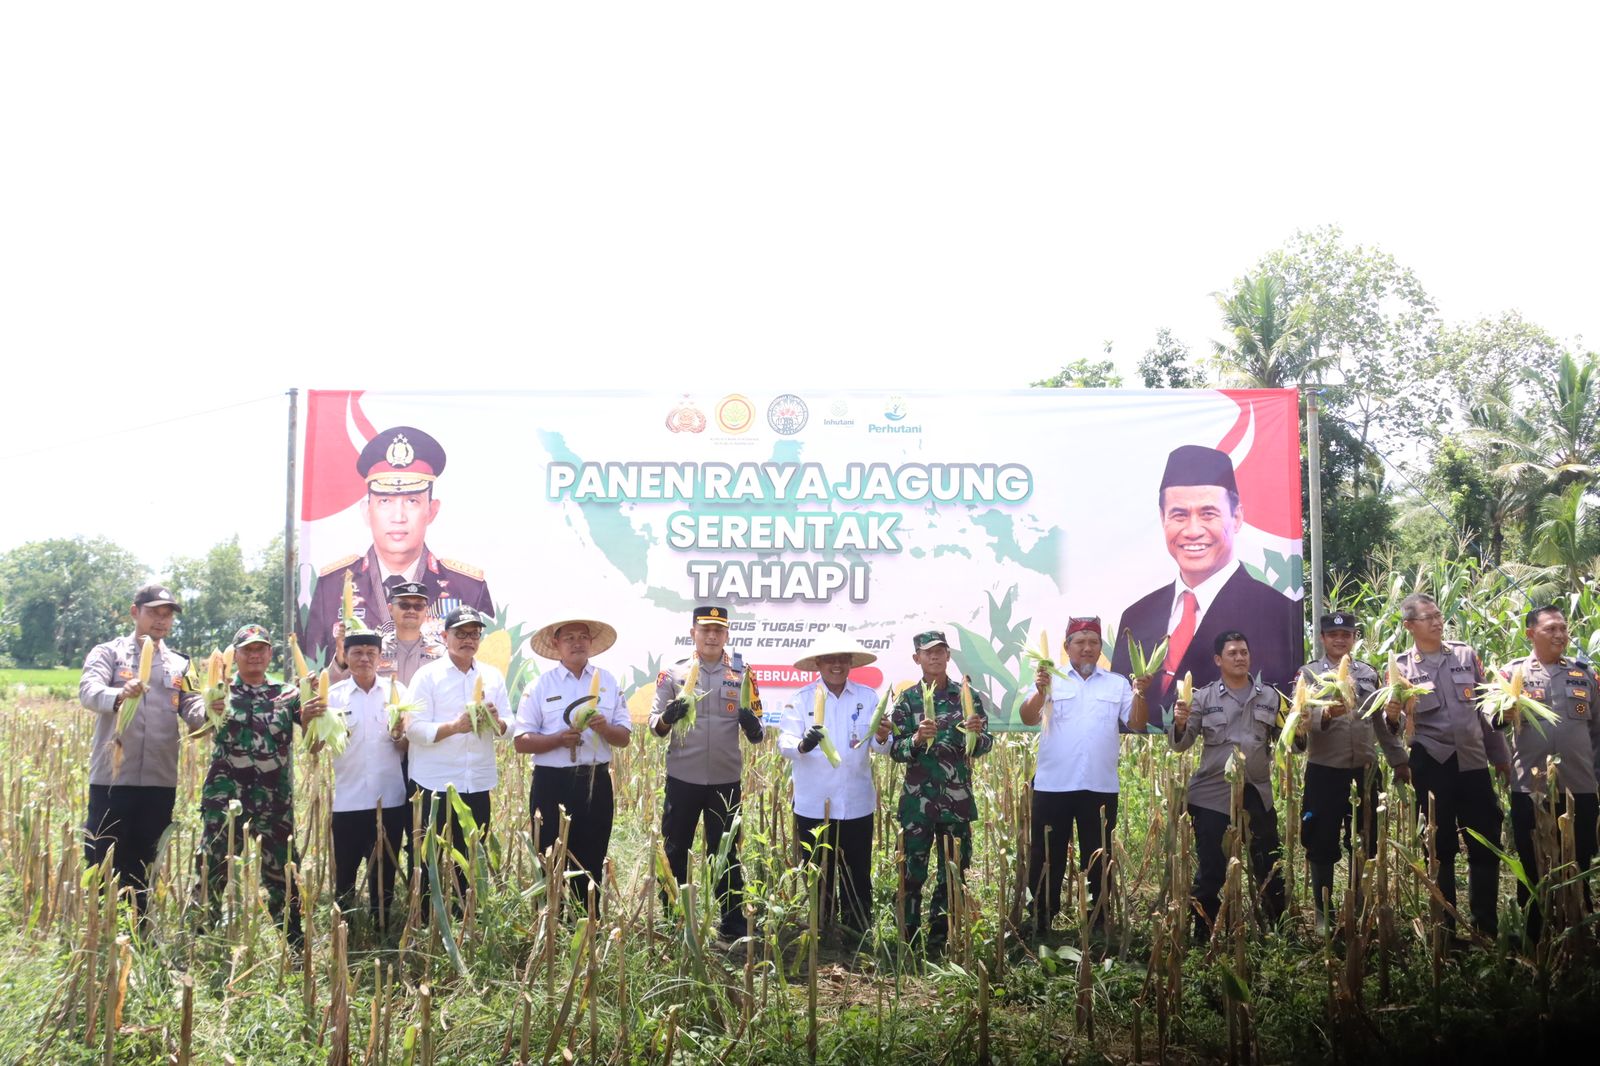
x,y
927,729
1180,715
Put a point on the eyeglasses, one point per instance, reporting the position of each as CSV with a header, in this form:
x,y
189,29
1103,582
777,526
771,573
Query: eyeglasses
x,y
1433,617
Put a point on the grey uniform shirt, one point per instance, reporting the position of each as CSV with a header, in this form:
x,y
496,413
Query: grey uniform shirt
x,y
1568,690
150,746
708,754
1345,742
1226,720
1448,721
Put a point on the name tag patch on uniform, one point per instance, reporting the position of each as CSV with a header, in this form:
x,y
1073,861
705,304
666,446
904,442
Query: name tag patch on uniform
x,y
552,699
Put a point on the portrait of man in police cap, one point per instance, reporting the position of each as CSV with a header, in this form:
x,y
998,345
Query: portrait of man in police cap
x,y
400,466
1211,592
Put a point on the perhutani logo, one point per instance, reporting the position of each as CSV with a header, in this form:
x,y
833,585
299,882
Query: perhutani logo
x,y
838,415
788,414
735,413
895,412
686,418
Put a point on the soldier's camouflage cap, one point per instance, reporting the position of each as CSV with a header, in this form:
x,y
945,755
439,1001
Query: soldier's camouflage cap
x,y
931,639
252,634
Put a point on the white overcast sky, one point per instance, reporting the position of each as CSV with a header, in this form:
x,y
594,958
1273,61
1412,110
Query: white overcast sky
x,y
202,205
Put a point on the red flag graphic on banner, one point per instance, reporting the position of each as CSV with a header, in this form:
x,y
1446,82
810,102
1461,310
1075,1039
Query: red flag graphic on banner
x,y
336,431
1264,444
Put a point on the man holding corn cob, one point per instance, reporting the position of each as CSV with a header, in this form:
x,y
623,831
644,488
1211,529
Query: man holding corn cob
x,y
569,720
133,767
703,704
1338,741
1568,742
250,785
1235,713
455,727
1452,747
827,732
939,728
399,465
1075,783
1201,513
369,788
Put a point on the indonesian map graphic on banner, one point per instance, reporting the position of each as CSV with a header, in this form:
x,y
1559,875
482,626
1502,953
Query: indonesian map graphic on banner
x,y
991,516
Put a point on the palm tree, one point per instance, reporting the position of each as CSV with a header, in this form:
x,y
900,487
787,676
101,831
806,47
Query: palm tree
x,y
1564,539
1558,444
1271,345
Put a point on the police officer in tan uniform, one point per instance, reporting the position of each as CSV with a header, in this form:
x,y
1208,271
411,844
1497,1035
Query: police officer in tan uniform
x,y
1567,687
400,466
704,762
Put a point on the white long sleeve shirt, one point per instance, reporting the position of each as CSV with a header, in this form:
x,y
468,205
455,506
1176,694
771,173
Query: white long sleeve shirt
x,y
1079,748
464,760
545,703
821,789
367,772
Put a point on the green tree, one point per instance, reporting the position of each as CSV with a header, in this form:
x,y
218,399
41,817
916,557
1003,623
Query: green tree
x,y
1489,357
1567,536
1268,345
220,593
1166,365
1084,373
62,597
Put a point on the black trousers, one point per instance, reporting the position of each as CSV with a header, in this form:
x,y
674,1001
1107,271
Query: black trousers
x,y
356,836
1056,817
585,792
1584,812
1329,814
1211,863
1461,799
478,803
133,817
683,808
846,844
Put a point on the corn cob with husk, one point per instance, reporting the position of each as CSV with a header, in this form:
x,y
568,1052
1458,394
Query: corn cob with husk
x,y
928,712
877,715
1186,688
1042,657
302,672
690,693
968,709
1140,664
584,716
347,610
819,718
1399,689
1502,698
130,707
216,687
1338,684
328,728
397,708
1293,711
482,721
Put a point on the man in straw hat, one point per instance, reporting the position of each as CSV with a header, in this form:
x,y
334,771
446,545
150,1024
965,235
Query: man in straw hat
x,y
569,721
704,761
1075,784
834,805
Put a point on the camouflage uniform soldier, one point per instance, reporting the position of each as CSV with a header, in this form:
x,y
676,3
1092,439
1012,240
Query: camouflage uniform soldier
x,y
252,766
937,805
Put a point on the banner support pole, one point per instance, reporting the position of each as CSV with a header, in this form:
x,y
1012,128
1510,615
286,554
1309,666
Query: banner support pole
x,y
291,597
1314,495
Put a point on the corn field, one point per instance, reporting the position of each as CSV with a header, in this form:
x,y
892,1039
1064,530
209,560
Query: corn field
x,y
515,970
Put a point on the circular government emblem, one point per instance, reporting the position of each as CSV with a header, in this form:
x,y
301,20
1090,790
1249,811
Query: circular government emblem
x,y
735,413
686,418
400,453
787,414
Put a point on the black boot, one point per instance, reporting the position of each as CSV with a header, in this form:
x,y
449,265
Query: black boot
x,y
1483,895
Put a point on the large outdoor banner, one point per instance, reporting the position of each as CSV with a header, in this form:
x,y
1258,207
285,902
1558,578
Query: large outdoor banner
x,y
990,515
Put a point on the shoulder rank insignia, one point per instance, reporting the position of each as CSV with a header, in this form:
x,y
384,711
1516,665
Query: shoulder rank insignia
x,y
340,565
462,568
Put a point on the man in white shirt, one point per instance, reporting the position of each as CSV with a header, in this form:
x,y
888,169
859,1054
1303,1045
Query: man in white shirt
x,y
572,766
1075,783
835,805
445,750
369,788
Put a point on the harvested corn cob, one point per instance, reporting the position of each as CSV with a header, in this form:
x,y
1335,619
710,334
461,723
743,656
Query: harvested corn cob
x,y
819,717
877,716
1140,664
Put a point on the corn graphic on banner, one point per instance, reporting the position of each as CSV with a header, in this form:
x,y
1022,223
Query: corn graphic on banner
x,y
991,515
